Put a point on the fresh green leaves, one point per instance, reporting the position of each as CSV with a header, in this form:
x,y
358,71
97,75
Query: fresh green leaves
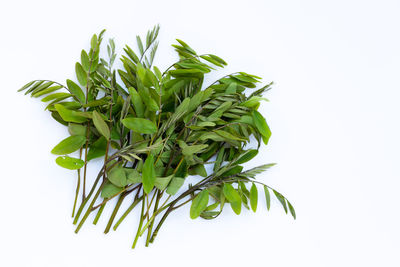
x,y
70,163
253,197
149,174
69,145
233,197
140,125
262,126
199,204
101,125
151,129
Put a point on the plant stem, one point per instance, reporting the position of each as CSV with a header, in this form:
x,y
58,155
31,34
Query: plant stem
x,y
78,185
114,213
89,208
140,225
99,212
131,207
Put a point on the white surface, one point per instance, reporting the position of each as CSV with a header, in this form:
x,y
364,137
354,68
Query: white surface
x,y
334,113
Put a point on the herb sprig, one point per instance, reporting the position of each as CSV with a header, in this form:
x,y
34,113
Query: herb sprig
x,y
154,130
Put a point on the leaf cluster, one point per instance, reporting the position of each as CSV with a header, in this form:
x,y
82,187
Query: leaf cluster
x,y
154,129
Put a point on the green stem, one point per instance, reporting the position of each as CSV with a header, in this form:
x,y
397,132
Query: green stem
x,y
131,207
114,213
140,226
99,212
78,185
88,211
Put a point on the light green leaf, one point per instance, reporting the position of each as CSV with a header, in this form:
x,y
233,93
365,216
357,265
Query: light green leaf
x,y
101,125
267,197
253,197
162,182
262,126
76,91
140,125
233,197
110,190
69,145
81,74
137,102
47,90
55,96
76,129
117,176
69,115
281,199
174,185
70,163
133,176
85,60
148,174
199,204
291,209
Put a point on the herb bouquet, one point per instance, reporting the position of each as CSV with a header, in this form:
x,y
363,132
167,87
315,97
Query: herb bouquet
x,y
154,130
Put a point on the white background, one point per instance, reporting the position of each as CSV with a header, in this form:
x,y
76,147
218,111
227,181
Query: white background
x,y
334,114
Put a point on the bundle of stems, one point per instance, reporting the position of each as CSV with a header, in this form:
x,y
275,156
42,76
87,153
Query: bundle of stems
x,y
153,130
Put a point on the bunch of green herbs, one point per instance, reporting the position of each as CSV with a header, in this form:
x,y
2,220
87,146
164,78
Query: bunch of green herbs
x,y
153,130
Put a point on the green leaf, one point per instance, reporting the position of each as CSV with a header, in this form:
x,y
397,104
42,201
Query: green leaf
x,y
97,149
199,204
140,125
247,156
233,197
148,174
76,129
69,145
85,61
81,74
253,197
228,136
133,176
190,150
291,209
198,170
137,102
162,182
267,197
93,42
175,184
110,190
70,163
47,90
281,199
26,86
117,176
69,115
101,125
76,91
55,96
262,126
